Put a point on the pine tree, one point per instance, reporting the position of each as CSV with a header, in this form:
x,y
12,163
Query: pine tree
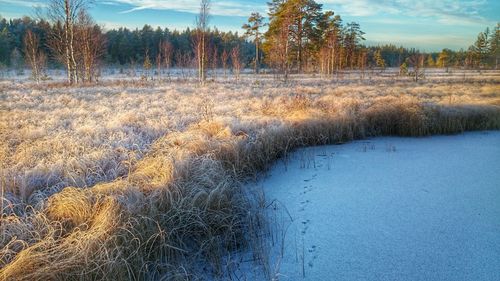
x,y
333,34
444,58
277,41
252,29
5,43
430,61
299,19
379,60
353,38
494,46
481,47
403,69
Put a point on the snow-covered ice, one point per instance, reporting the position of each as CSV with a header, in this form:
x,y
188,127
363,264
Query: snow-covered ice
x,y
389,209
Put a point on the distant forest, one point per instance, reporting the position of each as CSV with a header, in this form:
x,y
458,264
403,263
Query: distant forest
x,y
121,46
299,38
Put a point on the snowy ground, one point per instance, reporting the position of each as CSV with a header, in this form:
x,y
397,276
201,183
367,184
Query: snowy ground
x,y
389,209
129,73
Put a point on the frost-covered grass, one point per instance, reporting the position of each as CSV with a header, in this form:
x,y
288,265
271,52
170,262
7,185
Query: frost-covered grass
x,y
135,180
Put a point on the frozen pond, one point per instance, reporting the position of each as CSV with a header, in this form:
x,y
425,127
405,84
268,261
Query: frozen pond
x,y
389,209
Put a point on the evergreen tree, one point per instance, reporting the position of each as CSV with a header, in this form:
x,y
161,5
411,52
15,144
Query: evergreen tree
x,y
481,47
5,43
403,69
353,38
494,46
379,60
333,39
430,61
300,19
444,58
253,29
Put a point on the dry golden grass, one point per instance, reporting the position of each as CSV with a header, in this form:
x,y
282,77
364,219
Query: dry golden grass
x,y
144,183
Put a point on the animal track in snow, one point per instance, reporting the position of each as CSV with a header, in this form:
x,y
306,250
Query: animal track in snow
x,y
312,178
307,189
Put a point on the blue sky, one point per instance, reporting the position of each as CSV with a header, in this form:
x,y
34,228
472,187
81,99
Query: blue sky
x,y
429,25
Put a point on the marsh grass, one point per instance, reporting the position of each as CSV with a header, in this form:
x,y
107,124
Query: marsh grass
x,y
172,207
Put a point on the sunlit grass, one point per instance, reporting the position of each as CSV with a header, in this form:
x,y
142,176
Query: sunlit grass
x,y
125,181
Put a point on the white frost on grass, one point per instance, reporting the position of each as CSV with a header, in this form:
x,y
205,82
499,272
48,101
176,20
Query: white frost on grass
x,y
389,209
52,136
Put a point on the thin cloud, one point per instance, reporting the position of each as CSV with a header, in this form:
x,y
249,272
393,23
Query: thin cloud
x,y
108,3
449,12
25,3
219,8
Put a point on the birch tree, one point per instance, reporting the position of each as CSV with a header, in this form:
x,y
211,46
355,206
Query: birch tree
x,y
200,39
34,57
90,47
224,59
65,13
236,62
166,52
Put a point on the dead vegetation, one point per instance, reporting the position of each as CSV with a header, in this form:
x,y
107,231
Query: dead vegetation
x,y
111,183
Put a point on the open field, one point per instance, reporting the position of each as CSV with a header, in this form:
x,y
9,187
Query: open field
x,y
134,180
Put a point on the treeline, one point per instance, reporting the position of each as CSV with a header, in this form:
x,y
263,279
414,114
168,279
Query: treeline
x,y
126,46
121,46
299,38
484,53
12,33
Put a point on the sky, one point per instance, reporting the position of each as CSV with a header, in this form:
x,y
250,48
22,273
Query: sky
x,y
429,25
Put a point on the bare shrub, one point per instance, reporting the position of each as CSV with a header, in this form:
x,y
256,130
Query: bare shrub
x,y
35,58
236,62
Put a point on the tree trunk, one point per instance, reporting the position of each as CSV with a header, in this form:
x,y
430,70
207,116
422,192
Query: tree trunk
x,y
66,45
72,53
299,46
203,58
286,60
69,37
257,54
